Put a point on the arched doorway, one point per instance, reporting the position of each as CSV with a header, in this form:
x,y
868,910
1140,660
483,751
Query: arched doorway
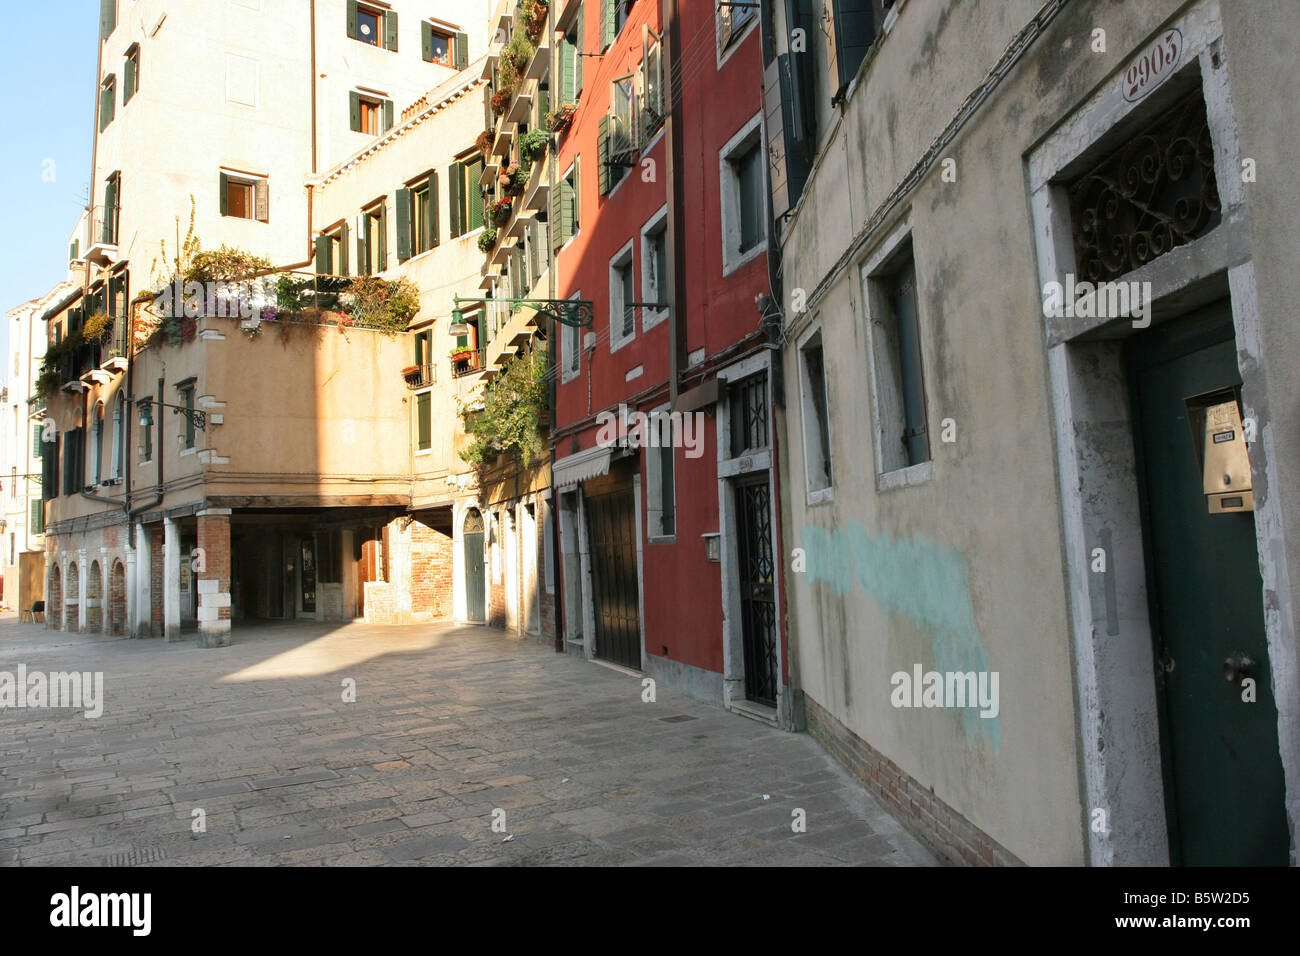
x,y
72,604
54,599
117,599
95,599
475,581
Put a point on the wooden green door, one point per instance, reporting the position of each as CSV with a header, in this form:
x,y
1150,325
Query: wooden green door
x,y
1223,772
475,584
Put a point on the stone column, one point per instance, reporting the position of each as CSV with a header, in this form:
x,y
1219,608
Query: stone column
x,y
214,577
83,578
141,619
132,599
105,591
171,578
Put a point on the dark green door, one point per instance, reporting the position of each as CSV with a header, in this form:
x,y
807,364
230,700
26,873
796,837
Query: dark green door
x,y
475,584
1223,773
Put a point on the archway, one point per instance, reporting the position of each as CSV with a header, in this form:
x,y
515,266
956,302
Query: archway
x,y
117,599
72,604
475,578
95,599
54,598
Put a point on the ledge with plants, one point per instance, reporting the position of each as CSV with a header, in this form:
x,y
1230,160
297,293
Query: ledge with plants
x,y
513,413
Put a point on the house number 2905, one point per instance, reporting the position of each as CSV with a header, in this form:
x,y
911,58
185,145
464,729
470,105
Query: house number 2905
x,y
1152,66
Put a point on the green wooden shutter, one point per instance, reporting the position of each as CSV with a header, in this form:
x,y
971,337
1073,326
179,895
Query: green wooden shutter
x,y
460,51
225,195
474,192
345,237
107,18
363,259
423,425
557,216
543,105
563,72
602,155
37,522
324,265
455,191
390,30
606,24
354,111
107,100
431,220
109,233
403,224
426,41
128,80
353,32
577,58
382,259
388,115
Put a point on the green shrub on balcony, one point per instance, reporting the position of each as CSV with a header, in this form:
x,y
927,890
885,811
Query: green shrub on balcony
x,y
533,145
226,264
487,239
97,327
383,306
510,421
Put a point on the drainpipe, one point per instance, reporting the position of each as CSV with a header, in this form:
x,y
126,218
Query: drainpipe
x,y
772,313
676,202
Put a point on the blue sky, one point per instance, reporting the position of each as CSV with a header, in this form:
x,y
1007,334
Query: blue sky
x,y
48,78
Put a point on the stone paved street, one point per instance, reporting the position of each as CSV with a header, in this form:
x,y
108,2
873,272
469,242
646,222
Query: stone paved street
x,y
449,724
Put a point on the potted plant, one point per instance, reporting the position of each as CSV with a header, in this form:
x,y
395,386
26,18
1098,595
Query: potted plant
x,y
559,120
500,211
485,140
487,239
533,145
514,179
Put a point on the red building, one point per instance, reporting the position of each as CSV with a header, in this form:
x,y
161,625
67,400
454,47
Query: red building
x,y
659,217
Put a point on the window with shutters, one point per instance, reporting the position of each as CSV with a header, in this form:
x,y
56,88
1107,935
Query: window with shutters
x,y
145,406
417,208
107,101
654,268
622,293
744,208
109,214
897,371
36,523
38,432
566,207
369,113
569,61
372,25
50,467
653,103
466,194
613,17
423,422
119,434
131,73
332,253
244,197
439,45
97,465
74,463
373,254
107,18
624,126
186,390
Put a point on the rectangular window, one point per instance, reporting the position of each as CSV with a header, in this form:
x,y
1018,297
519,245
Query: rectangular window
x,y
74,462
732,22
187,402
37,431
902,435
332,252
107,18
119,434
98,467
423,421
373,240
50,468
442,46
131,73
613,17
245,197
374,26
36,521
417,217
466,196
652,99
624,128
747,415
107,101
661,500
566,208
816,415
654,269
571,344
744,227
622,293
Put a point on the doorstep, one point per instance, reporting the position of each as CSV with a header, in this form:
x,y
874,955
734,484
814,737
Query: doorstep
x,y
754,711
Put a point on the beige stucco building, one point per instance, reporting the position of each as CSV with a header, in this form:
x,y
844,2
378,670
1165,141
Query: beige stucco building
x,y
983,482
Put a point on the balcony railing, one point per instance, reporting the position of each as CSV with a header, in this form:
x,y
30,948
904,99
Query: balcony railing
x,y
466,362
420,376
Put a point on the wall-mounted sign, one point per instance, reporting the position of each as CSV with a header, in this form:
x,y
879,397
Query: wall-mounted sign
x,y
1153,65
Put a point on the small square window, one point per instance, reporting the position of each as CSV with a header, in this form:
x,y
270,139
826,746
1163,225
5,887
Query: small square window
x,y
441,49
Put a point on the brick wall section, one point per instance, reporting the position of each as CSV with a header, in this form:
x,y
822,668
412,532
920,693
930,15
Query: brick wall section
x,y
117,598
948,833
431,571
95,593
214,542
